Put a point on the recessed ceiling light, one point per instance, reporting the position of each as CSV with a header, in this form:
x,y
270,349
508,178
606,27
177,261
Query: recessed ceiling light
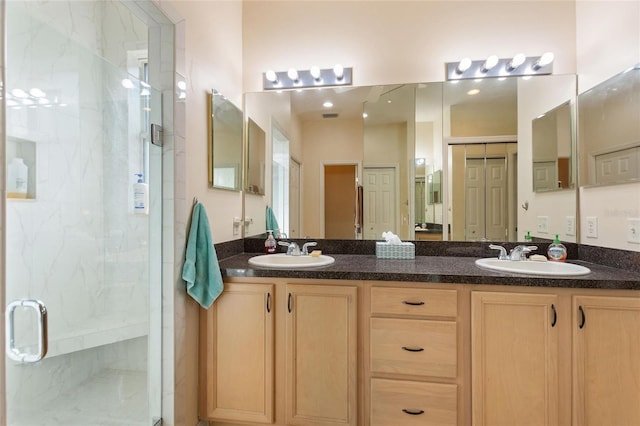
x,y
473,92
327,104
365,115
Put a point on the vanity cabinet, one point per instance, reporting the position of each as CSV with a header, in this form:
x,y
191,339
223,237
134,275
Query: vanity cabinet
x,y
514,356
413,356
606,353
280,353
237,355
321,355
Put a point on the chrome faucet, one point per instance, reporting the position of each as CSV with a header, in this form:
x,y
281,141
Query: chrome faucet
x,y
305,247
520,252
293,249
517,253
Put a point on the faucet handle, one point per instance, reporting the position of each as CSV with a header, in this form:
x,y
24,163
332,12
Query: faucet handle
x,y
305,247
503,252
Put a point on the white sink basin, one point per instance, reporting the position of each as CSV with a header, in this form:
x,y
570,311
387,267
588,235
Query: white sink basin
x,y
282,261
532,267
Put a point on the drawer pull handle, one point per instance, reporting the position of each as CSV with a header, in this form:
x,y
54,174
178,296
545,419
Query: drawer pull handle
x,y
406,302
583,317
413,412
412,349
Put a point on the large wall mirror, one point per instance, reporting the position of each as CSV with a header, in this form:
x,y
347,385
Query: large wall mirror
x,y
609,130
406,154
225,143
553,142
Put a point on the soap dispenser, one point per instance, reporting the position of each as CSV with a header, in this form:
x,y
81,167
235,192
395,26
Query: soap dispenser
x,y
557,251
140,196
270,243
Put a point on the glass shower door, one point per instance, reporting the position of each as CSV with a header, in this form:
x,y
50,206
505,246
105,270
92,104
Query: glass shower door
x,y
83,257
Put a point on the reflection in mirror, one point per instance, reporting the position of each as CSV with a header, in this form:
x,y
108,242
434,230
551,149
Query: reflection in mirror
x,y
552,143
225,144
405,141
609,130
256,152
481,128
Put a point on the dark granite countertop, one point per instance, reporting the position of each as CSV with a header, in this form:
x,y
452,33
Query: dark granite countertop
x,y
436,269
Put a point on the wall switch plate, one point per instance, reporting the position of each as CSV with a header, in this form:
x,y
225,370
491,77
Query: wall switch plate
x,y
633,231
592,227
571,225
543,224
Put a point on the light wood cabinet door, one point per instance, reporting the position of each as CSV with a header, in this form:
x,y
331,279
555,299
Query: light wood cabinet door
x,y
321,356
514,356
237,350
606,352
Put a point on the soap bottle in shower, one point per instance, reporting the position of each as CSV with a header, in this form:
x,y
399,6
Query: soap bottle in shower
x,y
17,179
140,196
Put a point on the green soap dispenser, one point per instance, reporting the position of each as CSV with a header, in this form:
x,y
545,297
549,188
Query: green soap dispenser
x,y
557,251
528,237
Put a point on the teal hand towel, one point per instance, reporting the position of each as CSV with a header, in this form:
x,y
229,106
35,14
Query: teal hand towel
x,y
201,270
272,222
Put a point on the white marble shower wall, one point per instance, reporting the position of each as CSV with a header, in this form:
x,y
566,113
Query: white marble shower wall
x,y
77,245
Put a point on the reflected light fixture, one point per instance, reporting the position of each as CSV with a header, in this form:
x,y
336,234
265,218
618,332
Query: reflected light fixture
x,y
299,79
492,66
473,92
327,104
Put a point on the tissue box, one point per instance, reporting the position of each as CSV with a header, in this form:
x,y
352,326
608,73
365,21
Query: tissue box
x,y
395,251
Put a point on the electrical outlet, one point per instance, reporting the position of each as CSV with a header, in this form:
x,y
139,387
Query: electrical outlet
x,y
592,227
633,231
571,225
543,224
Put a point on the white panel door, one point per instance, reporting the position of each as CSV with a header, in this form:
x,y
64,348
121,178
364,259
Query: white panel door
x,y
496,199
475,196
379,201
294,199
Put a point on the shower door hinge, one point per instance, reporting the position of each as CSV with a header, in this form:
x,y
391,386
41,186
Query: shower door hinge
x,y
156,134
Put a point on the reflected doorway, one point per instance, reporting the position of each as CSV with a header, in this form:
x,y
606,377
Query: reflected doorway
x,y
340,196
380,201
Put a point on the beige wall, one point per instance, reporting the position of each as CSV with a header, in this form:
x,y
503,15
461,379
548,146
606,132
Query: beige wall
x,y
390,42
608,42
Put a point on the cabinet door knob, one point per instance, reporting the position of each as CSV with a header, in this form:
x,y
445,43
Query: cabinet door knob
x,y
412,349
406,302
412,412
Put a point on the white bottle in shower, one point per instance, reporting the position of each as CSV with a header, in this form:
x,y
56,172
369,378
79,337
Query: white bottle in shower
x,y
140,196
17,179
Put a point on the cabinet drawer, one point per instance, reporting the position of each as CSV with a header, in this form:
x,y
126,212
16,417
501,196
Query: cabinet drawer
x,y
416,347
414,301
405,403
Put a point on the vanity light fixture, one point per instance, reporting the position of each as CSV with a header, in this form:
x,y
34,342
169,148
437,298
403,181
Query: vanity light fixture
x,y
327,104
314,77
519,65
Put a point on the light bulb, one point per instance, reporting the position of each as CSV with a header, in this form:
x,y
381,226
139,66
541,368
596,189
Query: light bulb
x,y
271,76
19,93
37,93
464,65
544,60
516,61
338,70
127,84
293,74
327,104
491,62
315,72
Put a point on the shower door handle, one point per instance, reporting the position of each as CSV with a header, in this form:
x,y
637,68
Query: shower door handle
x,y
15,353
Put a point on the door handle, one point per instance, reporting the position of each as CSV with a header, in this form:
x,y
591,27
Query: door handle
x,y
43,338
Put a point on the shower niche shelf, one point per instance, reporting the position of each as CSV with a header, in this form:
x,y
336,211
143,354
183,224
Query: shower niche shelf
x,y
25,149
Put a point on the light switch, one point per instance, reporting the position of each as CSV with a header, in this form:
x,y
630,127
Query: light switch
x,y
571,225
543,224
633,231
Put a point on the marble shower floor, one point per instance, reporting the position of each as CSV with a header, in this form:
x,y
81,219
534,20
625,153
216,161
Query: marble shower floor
x,y
111,398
